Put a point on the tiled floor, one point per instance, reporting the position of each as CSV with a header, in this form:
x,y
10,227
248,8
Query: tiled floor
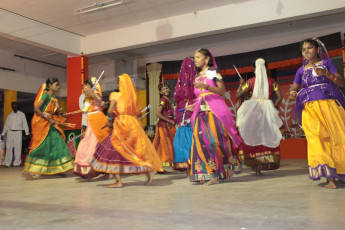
x,y
281,199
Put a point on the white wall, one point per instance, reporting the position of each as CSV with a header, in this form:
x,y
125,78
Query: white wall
x,y
29,75
108,79
115,68
251,43
38,34
229,18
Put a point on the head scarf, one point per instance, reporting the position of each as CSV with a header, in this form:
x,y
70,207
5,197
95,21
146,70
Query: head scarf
x,y
39,94
323,54
184,90
259,112
261,82
129,95
214,60
184,87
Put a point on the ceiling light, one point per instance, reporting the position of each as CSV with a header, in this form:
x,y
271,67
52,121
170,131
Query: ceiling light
x,y
98,6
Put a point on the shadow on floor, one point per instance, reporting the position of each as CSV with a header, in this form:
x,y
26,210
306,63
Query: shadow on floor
x,y
156,182
269,175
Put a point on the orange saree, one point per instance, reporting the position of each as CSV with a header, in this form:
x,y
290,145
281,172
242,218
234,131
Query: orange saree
x,y
127,149
49,153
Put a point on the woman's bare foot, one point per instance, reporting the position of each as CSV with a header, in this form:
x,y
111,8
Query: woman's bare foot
x,y
212,182
115,185
230,174
36,176
149,177
187,174
27,176
118,182
258,171
331,184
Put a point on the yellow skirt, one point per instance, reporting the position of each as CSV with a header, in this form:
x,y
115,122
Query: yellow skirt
x,y
324,126
163,143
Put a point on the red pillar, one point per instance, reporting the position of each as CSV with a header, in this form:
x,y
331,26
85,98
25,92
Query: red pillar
x,y
77,72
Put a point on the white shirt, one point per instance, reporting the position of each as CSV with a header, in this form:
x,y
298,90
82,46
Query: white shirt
x,y
81,106
16,121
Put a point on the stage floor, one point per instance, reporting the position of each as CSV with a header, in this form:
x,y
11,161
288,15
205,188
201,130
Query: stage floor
x,y
281,199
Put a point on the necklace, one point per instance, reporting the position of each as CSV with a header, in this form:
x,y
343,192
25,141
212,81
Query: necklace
x,y
202,72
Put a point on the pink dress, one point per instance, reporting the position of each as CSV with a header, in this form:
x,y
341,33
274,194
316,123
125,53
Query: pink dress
x,y
95,133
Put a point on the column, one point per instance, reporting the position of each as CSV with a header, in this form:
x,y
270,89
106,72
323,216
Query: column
x,y
77,72
154,71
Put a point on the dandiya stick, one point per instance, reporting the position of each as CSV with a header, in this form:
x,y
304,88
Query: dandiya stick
x,y
76,137
238,72
147,107
144,115
94,87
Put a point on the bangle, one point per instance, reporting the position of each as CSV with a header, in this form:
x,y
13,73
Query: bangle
x,y
334,78
207,87
331,76
110,118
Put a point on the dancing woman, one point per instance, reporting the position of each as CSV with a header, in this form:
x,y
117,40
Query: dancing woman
x,y
95,132
320,110
165,129
258,120
49,153
215,136
127,150
184,96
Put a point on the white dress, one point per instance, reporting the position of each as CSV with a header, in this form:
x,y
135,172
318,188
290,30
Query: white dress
x,y
258,120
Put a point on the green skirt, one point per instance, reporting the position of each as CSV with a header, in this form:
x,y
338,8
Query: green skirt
x,y
51,156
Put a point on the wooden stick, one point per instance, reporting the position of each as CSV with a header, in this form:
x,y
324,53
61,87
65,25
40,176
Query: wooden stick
x,y
73,112
76,137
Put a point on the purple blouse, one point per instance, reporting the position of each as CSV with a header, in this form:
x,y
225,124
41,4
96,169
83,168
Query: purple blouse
x,y
315,87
